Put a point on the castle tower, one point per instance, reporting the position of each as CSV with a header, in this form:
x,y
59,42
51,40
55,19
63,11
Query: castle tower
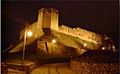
x,y
48,18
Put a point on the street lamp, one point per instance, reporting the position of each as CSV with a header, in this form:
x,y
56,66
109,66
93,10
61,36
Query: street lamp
x,y
29,33
103,48
26,34
85,44
53,41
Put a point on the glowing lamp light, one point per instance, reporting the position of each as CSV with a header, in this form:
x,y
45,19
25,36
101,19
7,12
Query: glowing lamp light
x,y
29,33
85,44
103,48
53,41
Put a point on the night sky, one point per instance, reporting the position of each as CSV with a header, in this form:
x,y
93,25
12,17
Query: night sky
x,y
97,16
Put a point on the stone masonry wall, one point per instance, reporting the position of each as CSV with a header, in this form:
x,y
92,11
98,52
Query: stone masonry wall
x,y
81,33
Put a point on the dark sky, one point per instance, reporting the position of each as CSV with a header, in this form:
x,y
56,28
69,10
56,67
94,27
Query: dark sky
x,y
97,16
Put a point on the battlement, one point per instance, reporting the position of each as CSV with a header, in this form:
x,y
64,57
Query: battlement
x,y
81,33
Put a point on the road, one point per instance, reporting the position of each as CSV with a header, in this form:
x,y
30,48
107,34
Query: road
x,y
57,68
45,66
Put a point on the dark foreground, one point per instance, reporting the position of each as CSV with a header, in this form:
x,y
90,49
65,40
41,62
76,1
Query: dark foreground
x,y
95,62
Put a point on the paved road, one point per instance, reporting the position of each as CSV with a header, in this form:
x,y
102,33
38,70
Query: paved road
x,y
58,68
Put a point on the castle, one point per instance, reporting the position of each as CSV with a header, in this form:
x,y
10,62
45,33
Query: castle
x,y
48,19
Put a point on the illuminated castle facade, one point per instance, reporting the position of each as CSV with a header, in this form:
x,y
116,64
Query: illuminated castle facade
x,y
48,18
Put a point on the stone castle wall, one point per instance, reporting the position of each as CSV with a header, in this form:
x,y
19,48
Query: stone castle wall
x,y
48,18
81,33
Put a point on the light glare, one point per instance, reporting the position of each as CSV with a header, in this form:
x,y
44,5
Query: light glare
x,y
53,41
29,33
85,44
103,48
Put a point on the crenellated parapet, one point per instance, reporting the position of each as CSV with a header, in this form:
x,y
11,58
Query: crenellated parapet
x,y
81,33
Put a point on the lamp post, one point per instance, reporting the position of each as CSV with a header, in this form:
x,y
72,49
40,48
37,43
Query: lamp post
x,y
29,34
53,42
